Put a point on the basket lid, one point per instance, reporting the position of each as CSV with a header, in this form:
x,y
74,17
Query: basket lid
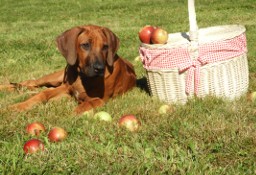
x,y
206,35
219,33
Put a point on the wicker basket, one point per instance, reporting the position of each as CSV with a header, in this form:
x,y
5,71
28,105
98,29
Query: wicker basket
x,y
208,61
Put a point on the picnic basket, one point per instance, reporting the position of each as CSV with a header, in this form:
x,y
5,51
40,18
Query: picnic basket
x,y
208,61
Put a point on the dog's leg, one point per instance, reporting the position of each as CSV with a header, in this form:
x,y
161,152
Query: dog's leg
x,y
51,80
88,105
8,87
44,96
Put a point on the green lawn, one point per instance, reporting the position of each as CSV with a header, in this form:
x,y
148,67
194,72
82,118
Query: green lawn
x,y
205,136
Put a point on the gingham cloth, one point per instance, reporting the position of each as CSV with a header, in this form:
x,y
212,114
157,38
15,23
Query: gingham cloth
x,y
179,58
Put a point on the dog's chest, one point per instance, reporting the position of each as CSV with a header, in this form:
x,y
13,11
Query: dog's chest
x,y
76,94
84,89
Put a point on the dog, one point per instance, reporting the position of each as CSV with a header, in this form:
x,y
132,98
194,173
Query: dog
x,y
94,72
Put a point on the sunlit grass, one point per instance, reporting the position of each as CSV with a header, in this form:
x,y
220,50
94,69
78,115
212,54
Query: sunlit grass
x,y
205,136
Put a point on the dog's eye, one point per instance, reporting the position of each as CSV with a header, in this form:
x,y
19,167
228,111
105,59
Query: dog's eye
x,y
105,47
86,46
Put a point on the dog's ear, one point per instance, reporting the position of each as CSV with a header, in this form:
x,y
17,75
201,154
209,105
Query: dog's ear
x,y
113,42
66,43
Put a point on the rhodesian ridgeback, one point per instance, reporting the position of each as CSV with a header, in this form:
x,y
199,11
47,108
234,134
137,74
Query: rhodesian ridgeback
x,y
94,72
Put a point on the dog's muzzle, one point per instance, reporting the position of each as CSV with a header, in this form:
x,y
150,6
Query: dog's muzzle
x,y
95,69
98,68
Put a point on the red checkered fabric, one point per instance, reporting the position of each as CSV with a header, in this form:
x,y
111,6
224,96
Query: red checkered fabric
x,y
169,58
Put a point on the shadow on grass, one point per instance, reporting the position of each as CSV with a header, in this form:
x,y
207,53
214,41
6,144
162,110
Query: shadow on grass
x,y
142,84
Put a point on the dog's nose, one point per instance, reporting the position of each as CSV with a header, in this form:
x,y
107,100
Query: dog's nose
x,y
99,68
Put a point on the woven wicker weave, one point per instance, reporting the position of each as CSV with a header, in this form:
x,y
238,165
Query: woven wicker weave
x,y
221,77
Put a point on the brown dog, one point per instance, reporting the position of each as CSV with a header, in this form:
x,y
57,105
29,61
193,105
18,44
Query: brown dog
x,y
94,72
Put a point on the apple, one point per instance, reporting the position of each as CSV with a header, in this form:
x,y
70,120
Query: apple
x,y
165,109
33,146
159,36
57,134
145,33
102,115
35,128
251,96
137,59
130,122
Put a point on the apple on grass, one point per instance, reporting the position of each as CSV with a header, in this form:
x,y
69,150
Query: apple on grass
x,y
136,59
35,128
104,116
32,146
129,122
251,96
165,109
57,134
159,36
145,34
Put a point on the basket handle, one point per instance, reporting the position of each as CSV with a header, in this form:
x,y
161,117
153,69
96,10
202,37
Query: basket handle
x,y
193,29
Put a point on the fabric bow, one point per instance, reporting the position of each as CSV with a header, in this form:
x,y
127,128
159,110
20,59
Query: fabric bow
x,y
193,72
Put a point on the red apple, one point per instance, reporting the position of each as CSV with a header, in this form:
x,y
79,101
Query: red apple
x,y
33,146
57,134
145,33
130,122
159,36
35,128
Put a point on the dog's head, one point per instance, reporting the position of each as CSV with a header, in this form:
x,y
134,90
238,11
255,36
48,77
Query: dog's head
x,y
91,48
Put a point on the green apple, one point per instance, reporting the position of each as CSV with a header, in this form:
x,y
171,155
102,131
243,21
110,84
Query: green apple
x,y
252,96
137,59
102,115
165,109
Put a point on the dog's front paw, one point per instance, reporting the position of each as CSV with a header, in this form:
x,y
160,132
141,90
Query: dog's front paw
x,y
29,84
81,108
8,87
88,105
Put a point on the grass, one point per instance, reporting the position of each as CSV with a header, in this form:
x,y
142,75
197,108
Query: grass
x,y
205,136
